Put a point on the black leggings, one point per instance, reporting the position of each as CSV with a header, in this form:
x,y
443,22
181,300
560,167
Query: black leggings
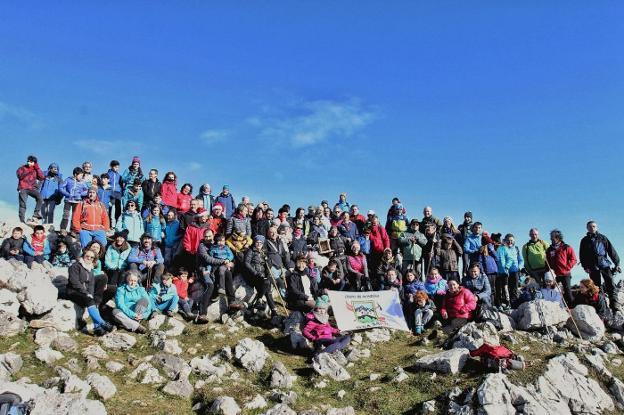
x,y
203,295
224,279
264,289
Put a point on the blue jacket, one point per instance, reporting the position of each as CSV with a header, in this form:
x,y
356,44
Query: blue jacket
x,y
115,183
432,287
127,196
127,297
172,233
138,255
29,250
155,290
73,190
228,203
489,263
104,195
115,259
472,243
350,231
155,228
51,185
480,287
509,259
221,253
127,177
551,294
412,287
365,245
133,222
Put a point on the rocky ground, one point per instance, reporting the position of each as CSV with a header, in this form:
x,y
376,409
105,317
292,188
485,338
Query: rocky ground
x,y
241,365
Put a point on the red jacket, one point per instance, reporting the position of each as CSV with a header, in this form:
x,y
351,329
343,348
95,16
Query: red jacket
x,y
27,177
314,330
169,194
460,305
561,259
193,236
217,225
184,202
379,239
181,287
90,216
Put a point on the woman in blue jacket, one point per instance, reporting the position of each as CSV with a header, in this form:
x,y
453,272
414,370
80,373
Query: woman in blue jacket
x,y
510,263
133,304
74,190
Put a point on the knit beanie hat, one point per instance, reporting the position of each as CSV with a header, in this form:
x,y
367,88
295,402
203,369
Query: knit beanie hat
x,y
322,302
259,238
136,159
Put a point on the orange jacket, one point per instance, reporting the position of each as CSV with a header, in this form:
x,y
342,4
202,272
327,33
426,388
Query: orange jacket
x,y
90,216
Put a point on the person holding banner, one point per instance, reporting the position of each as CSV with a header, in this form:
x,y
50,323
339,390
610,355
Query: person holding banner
x,y
324,337
458,305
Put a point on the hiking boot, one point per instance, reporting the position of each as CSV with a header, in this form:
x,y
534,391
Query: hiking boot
x,y
236,305
140,329
99,331
202,320
169,313
107,326
418,330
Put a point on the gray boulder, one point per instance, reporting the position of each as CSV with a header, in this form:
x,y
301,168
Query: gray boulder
x,y
250,354
449,361
538,314
118,341
280,376
224,405
64,316
10,324
102,385
326,365
39,295
10,364
9,302
473,335
173,366
181,388
591,326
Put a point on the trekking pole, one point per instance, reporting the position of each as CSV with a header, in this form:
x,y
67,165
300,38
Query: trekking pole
x,y
148,283
578,331
270,276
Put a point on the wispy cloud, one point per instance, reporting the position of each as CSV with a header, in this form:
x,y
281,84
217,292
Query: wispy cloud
x,y
195,166
313,122
18,114
214,136
106,147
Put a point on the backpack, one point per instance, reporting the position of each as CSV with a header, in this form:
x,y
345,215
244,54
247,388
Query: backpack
x,y
495,358
397,227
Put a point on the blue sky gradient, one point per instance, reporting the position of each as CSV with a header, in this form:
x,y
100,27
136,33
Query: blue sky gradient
x,y
512,111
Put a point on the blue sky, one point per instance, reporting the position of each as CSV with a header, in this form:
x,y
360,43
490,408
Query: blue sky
x,y
512,111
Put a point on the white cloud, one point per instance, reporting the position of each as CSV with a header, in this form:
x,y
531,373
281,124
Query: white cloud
x,y
315,122
195,166
19,114
214,136
107,147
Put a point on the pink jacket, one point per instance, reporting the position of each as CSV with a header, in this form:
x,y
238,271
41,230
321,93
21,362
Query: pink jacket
x,y
314,330
460,305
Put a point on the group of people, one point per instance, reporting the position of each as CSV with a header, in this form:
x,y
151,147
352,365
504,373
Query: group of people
x,y
155,247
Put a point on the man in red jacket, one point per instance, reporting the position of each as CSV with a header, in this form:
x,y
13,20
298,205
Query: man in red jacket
x,y
28,177
560,258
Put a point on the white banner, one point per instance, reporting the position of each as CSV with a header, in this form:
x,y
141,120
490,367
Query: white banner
x,y
365,310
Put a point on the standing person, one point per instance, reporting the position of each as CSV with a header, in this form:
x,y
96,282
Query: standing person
x,y
509,264
132,222
73,189
184,198
105,191
155,224
472,243
279,258
114,179
597,254
169,190
358,218
227,200
51,192
561,259
447,254
488,260
347,228
188,217
28,177
205,195
357,269
429,219
151,186
90,219
172,236
379,240
300,220
87,167
146,260
342,202
396,225
132,173
534,255
464,231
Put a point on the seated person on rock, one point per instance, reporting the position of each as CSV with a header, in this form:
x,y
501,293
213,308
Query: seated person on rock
x,y
332,277
62,257
479,284
185,303
301,288
422,308
324,337
146,260
164,295
133,304
12,247
458,306
590,294
550,291
37,249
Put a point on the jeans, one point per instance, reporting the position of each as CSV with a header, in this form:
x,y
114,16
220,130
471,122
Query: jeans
x,y
68,212
88,236
168,305
203,296
224,277
28,259
422,316
186,305
116,203
502,280
23,197
47,211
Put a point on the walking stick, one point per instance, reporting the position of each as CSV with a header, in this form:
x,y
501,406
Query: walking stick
x,y
148,284
578,331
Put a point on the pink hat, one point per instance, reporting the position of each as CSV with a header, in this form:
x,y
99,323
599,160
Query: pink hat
x,y
136,159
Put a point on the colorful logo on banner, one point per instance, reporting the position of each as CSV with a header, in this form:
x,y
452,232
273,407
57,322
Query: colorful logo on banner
x,y
362,310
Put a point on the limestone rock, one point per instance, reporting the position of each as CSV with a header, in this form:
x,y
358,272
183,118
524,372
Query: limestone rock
x,y
173,366
9,302
102,385
538,314
280,377
473,335
591,326
96,351
177,327
10,324
156,321
258,402
114,367
326,365
224,405
181,388
64,316
449,361
250,354
39,295
378,335
118,341
10,364
280,409
47,355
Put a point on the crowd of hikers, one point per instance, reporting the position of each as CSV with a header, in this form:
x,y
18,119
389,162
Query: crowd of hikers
x,y
156,246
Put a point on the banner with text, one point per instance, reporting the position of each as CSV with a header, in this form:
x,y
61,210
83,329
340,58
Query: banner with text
x,y
365,310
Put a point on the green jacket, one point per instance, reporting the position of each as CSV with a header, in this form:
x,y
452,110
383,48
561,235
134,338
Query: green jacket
x,y
412,251
534,255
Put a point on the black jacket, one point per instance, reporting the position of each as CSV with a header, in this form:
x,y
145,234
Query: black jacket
x,y
278,255
80,280
295,290
205,260
10,244
150,188
255,263
595,252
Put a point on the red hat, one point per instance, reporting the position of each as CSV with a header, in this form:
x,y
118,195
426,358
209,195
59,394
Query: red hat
x,y
218,204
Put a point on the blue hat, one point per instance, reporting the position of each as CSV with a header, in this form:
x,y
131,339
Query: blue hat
x,y
259,238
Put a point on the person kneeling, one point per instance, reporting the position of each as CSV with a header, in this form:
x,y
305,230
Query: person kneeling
x,y
324,337
133,304
164,295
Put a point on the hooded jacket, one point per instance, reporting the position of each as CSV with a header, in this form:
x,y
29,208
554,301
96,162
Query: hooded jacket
x,y
114,179
155,228
379,239
133,223
489,262
472,243
460,305
79,279
193,236
509,259
412,251
435,286
315,330
228,203
130,195
90,216
117,258
73,190
150,188
561,259
169,193
595,251
127,297
28,177
448,255
172,233
479,286
51,185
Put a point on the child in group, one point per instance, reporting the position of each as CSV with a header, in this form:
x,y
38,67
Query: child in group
x,y
423,309
133,192
172,235
51,193
114,179
156,201
220,250
435,286
155,224
38,248
74,190
185,303
62,257
392,282
550,292
412,283
12,247
164,295
104,191
332,277
324,337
